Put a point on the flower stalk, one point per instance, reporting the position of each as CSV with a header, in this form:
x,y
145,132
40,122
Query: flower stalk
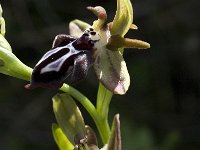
x,y
99,120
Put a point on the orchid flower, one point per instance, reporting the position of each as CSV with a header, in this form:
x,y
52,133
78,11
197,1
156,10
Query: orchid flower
x,y
100,45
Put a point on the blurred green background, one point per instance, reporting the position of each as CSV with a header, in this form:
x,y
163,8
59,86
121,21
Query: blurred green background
x,y
161,110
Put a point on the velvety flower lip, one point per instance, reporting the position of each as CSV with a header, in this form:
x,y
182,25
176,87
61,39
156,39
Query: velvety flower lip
x,y
105,52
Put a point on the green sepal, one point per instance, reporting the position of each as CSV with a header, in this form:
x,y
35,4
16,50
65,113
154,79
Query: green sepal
x,y
123,18
60,138
69,118
76,27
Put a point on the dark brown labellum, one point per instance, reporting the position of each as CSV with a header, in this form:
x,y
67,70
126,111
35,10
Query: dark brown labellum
x,y
67,56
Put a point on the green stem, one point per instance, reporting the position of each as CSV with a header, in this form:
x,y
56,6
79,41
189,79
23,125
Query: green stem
x,y
104,130
101,123
103,101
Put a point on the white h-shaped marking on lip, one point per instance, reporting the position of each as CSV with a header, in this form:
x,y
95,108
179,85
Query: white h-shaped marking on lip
x,y
56,65
49,53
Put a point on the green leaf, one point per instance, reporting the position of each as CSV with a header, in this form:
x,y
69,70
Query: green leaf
x,y
60,139
69,118
123,18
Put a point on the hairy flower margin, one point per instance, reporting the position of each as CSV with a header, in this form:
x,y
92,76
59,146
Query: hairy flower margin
x,y
110,67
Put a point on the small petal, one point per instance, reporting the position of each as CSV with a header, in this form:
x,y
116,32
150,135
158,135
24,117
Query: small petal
x,y
60,139
69,118
116,41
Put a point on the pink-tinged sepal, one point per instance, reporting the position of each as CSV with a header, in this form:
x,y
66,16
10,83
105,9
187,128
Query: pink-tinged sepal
x,y
110,66
111,70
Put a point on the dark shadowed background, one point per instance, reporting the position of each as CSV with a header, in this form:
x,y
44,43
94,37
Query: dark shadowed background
x,y
161,110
